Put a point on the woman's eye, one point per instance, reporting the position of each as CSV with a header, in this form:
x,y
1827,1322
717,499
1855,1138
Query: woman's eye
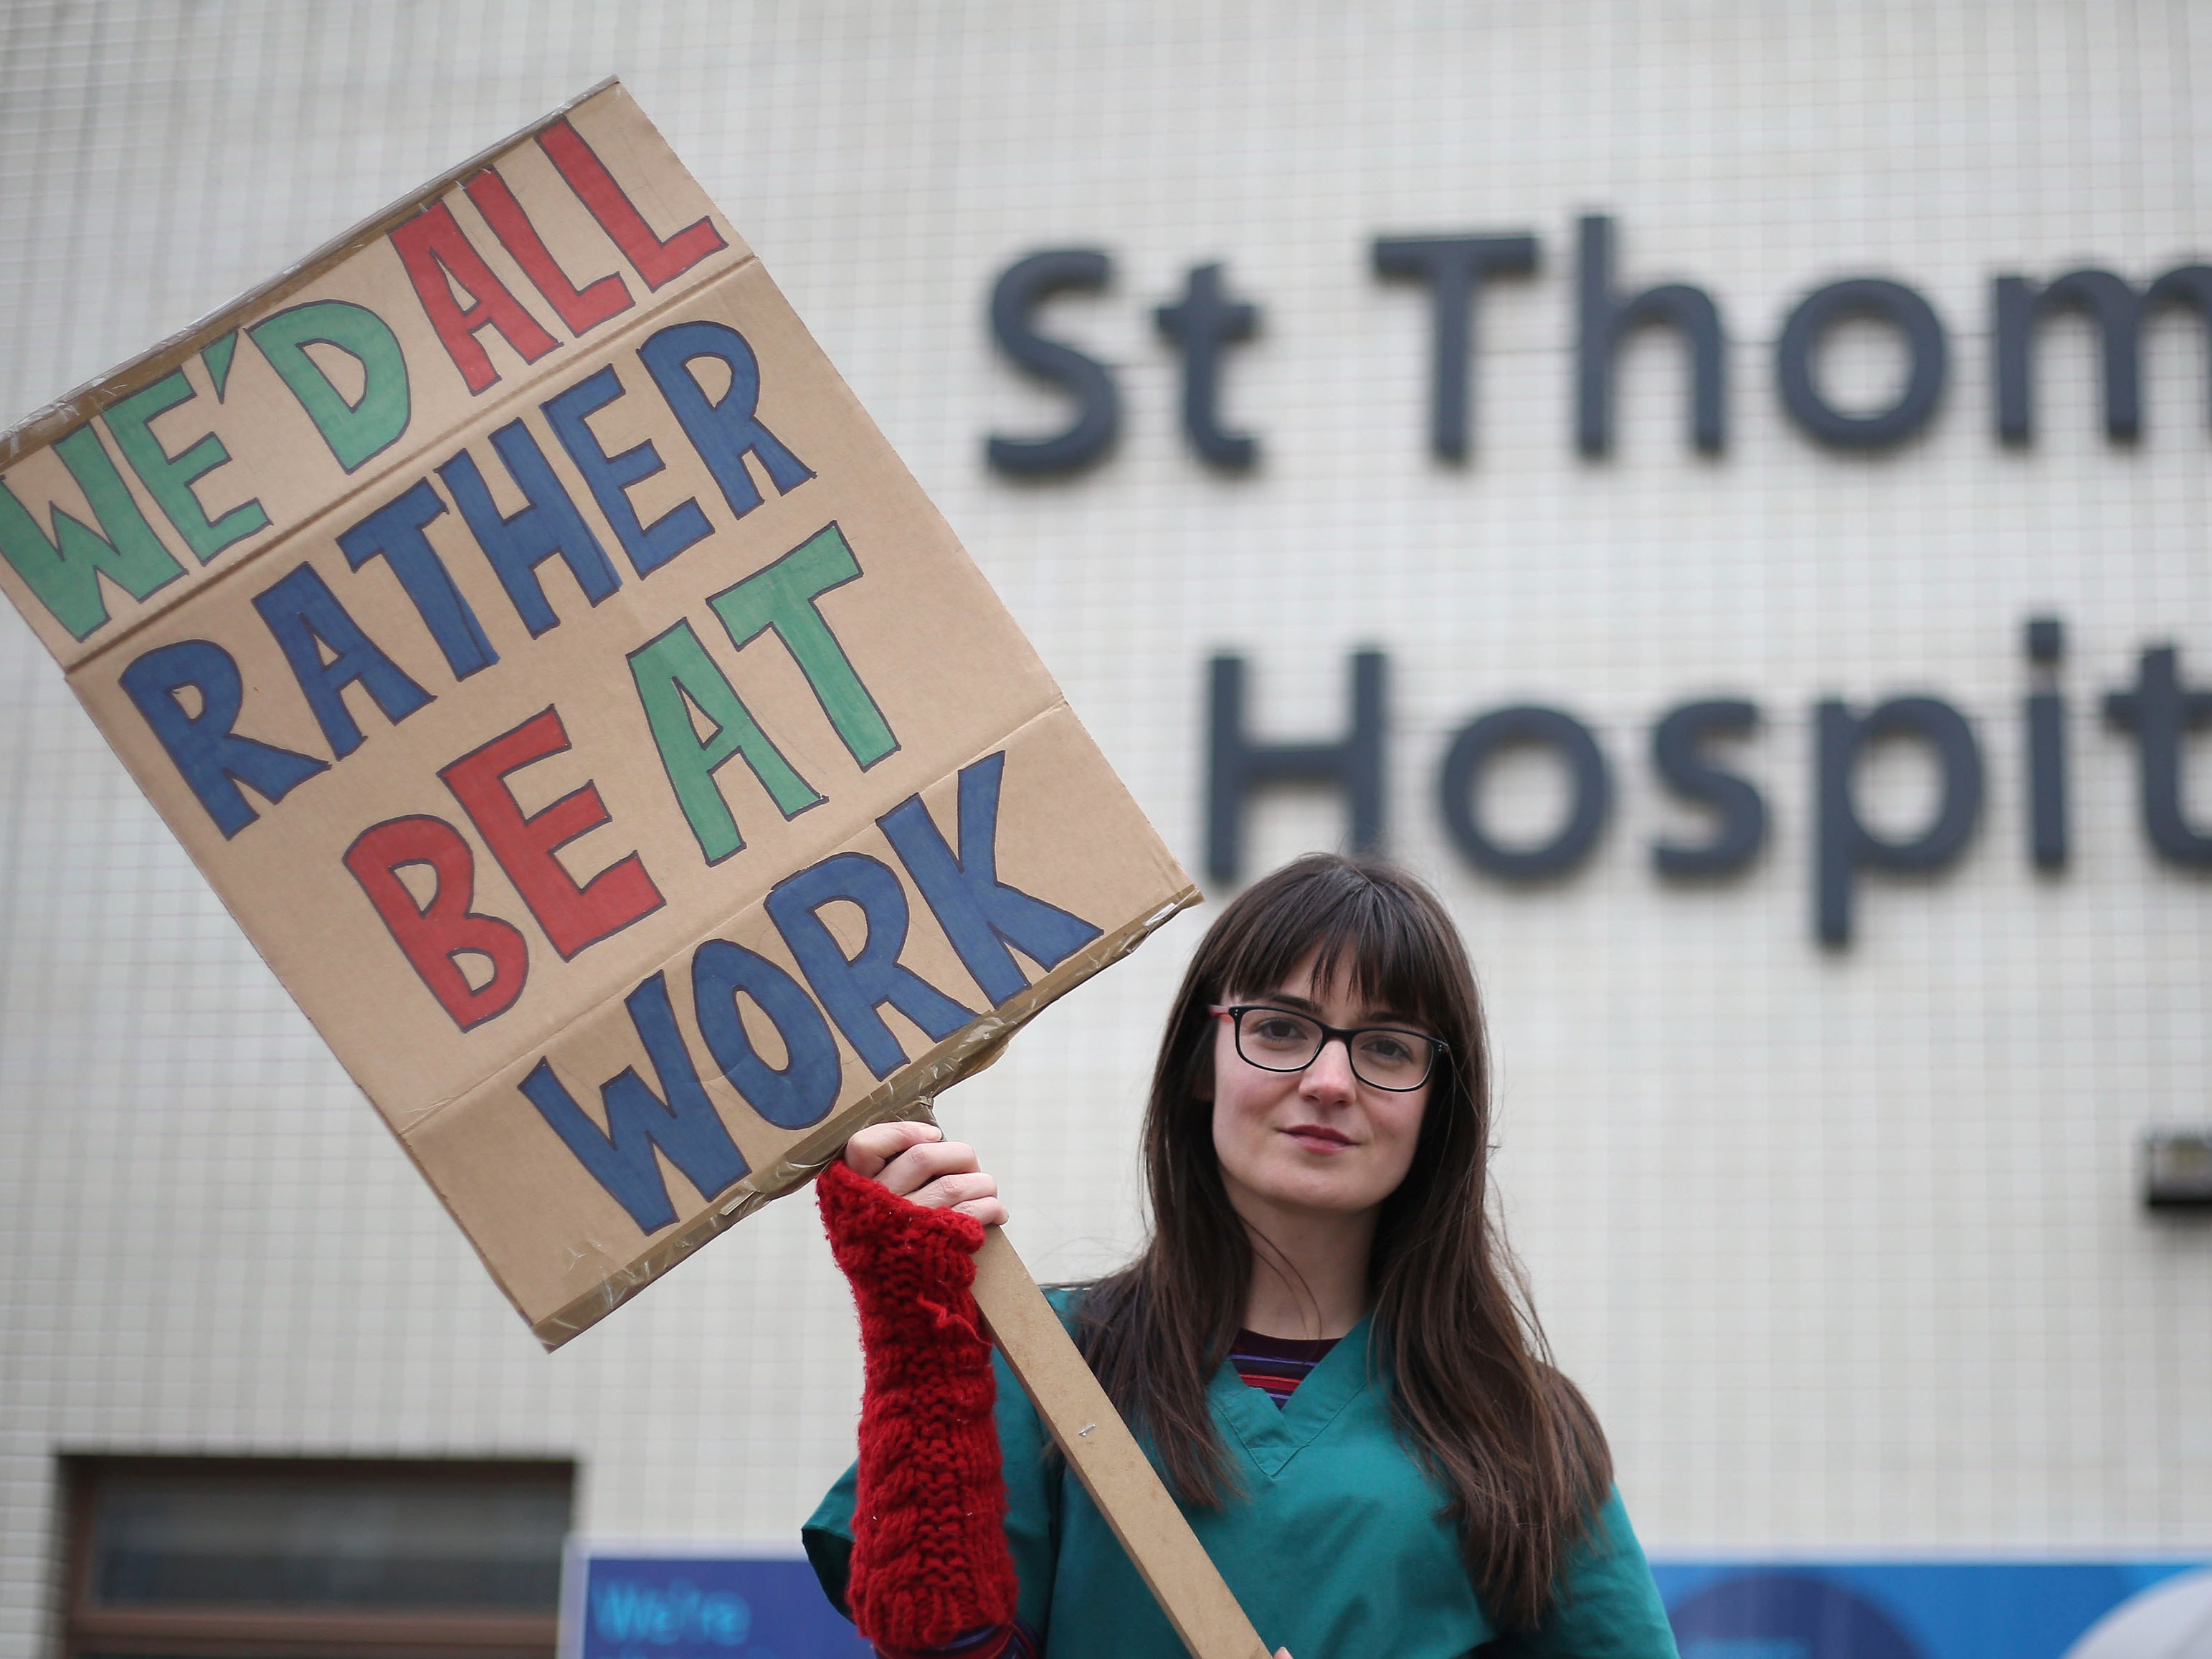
x,y
1394,1050
1279,1028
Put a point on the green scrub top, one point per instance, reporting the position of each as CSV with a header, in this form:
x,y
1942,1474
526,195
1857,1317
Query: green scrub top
x,y
1336,1547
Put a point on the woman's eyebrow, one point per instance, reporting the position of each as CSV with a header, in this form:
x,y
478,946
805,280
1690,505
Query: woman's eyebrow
x,y
1375,1015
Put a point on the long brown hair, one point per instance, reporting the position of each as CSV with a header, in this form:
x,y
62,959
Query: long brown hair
x,y
1474,1395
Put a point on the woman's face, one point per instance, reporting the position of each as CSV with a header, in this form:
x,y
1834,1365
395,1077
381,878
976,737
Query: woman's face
x,y
1319,1140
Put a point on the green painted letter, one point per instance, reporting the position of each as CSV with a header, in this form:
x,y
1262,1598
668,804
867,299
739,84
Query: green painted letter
x,y
673,668
354,431
169,479
782,597
65,571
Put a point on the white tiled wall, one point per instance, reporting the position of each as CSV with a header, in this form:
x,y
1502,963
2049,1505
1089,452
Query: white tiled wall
x,y
1846,1246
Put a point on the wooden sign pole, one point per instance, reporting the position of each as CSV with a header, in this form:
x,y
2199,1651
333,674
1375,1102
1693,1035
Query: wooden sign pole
x,y
1106,1459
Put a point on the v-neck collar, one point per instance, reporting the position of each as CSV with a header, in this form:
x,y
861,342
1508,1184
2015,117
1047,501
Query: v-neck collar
x,y
1272,1435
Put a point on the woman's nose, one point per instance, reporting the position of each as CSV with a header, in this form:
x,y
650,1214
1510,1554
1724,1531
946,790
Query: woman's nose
x,y
1330,1071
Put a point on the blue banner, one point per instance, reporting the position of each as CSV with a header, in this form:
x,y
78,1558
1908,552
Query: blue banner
x,y
700,1606
1938,1610
673,1606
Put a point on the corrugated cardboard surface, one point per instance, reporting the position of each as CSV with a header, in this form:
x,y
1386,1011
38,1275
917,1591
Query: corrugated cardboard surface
x,y
945,667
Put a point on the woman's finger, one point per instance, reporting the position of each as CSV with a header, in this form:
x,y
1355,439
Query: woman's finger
x,y
949,1192
916,1167
916,1162
871,1148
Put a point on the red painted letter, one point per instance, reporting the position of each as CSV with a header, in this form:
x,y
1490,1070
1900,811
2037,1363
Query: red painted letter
x,y
432,246
433,934
657,261
582,310
572,916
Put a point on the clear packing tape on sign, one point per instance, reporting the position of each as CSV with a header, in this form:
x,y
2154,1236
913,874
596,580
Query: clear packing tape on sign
x,y
577,704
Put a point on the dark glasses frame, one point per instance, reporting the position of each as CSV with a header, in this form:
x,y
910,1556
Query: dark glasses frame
x,y
1436,1046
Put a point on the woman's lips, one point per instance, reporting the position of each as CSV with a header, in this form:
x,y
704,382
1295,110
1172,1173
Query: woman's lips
x,y
1317,1137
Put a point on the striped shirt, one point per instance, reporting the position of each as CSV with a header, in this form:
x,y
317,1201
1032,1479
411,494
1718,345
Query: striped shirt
x,y
990,1642
1276,1364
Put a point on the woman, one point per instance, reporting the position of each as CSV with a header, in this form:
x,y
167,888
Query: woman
x,y
1321,1345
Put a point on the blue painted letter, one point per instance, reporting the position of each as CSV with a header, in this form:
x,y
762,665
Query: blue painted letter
x,y
980,914
725,432
548,524
684,1126
394,532
854,988
213,759
803,1092
306,616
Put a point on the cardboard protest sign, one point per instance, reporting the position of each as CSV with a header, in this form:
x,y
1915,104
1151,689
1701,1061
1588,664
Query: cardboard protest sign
x,y
577,704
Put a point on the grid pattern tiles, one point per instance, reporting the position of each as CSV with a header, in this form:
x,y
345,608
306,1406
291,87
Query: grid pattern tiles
x,y
1844,1245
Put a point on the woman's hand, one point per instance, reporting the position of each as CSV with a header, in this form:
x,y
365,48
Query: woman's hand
x,y
917,1162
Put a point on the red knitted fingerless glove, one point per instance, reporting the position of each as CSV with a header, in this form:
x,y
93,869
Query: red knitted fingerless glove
x,y
930,1560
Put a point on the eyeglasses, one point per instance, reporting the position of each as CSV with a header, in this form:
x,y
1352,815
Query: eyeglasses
x,y
1384,1057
